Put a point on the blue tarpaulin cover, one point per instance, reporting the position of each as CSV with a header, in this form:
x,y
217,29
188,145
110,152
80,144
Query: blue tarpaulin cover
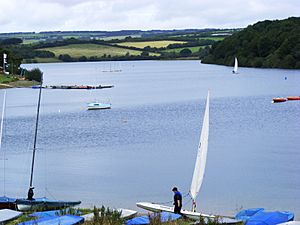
x,y
55,220
270,218
247,213
164,217
54,213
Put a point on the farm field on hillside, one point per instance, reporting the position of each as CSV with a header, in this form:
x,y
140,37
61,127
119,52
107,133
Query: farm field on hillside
x,y
88,50
153,44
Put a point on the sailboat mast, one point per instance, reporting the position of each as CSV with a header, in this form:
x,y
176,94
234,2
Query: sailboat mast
x,y
35,133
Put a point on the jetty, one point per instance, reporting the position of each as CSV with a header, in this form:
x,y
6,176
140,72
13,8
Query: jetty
x,y
78,87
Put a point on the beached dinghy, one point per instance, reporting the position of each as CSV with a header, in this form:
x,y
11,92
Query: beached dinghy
x,y
197,177
8,214
7,203
44,204
270,218
125,214
164,217
55,220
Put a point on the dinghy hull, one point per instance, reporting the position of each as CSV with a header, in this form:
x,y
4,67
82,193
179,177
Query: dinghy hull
x,y
7,203
162,208
44,204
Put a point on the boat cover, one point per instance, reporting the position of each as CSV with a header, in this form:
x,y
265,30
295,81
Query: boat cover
x,y
55,220
164,217
291,223
247,213
8,214
270,218
52,213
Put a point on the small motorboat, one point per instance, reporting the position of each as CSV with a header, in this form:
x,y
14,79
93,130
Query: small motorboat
x,y
292,98
98,105
277,100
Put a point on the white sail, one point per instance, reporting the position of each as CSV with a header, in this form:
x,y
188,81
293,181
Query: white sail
x,y
201,155
235,65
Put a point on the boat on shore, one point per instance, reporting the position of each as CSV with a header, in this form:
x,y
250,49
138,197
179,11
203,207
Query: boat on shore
x,y
44,204
197,176
293,98
279,99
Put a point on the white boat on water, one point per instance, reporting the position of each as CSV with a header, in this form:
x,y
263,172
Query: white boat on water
x,y
98,105
235,68
197,176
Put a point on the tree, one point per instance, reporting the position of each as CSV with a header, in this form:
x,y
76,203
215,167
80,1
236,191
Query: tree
x,y
11,41
34,74
185,52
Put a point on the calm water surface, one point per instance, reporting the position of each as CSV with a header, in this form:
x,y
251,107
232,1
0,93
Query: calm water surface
x,y
147,142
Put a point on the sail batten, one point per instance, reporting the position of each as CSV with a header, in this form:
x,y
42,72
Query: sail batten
x,y
201,155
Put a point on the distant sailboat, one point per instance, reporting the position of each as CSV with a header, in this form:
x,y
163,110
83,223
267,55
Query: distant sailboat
x,y
235,68
197,176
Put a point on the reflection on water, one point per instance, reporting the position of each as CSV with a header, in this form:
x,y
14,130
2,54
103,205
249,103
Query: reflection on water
x,y
147,142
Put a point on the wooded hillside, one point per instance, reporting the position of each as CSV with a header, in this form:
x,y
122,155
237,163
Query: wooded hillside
x,y
271,44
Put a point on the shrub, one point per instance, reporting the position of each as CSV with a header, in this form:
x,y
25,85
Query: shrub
x,y
34,74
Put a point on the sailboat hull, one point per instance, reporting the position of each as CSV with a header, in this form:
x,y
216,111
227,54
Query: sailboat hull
x,y
44,204
162,208
7,203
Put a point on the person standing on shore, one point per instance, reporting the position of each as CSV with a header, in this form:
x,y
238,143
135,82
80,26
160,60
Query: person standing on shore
x,y
177,200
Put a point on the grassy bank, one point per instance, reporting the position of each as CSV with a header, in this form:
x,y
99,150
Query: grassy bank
x,y
14,82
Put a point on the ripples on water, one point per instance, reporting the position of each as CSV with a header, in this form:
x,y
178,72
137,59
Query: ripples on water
x,y
147,142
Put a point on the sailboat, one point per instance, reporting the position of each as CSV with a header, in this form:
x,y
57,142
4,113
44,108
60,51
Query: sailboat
x,y
235,68
40,203
197,176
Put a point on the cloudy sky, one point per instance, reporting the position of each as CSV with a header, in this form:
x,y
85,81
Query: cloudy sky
x,y
53,15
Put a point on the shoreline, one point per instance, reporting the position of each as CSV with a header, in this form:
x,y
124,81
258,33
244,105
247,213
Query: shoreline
x,y
18,84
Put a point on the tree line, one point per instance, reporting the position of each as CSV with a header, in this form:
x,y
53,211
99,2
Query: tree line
x,y
268,44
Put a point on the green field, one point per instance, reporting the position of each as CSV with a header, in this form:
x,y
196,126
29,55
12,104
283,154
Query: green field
x,y
153,44
88,50
212,38
177,50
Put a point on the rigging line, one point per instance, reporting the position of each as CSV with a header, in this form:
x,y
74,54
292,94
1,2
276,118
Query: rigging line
x,y
188,202
162,203
1,134
52,196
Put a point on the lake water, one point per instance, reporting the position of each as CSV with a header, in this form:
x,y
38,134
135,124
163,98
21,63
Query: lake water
x,y
147,142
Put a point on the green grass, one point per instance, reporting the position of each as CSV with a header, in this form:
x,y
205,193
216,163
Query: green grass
x,y
212,38
153,44
177,50
88,50
4,79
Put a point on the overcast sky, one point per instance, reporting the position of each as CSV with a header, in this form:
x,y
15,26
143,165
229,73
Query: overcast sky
x,y
53,15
